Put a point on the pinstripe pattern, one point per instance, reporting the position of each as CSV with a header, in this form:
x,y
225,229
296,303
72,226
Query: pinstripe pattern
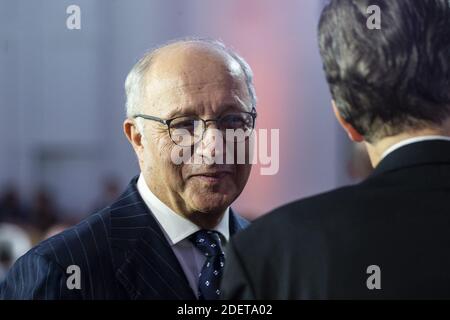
x,y
122,254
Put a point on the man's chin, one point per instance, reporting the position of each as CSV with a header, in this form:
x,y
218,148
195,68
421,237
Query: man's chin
x,y
211,202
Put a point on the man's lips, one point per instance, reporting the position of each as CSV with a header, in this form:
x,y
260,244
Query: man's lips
x,y
211,176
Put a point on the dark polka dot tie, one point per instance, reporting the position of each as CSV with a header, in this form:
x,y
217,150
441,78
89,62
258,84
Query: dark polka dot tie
x,y
208,242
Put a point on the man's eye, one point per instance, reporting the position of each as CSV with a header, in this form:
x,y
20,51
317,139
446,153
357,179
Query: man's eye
x,y
233,121
187,124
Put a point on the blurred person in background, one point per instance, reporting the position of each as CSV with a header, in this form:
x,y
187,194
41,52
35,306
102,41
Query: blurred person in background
x,y
11,207
6,259
387,237
14,242
110,191
43,211
163,238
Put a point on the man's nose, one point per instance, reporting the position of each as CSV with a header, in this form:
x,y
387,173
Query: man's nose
x,y
212,144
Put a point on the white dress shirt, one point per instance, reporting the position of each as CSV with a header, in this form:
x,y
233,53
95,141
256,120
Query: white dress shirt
x,y
177,229
410,141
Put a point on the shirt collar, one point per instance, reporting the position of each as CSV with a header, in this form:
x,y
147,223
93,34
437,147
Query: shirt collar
x,y
412,140
175,227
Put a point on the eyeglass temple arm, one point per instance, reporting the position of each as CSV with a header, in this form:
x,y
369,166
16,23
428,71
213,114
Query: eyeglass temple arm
x,y
144,116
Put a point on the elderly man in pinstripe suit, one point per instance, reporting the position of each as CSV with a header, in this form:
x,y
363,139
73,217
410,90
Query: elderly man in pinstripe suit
x,y
164,237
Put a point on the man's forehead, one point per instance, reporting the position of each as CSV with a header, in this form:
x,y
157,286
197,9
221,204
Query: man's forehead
x,y
211,98
178,75
184,85
187,52
190,64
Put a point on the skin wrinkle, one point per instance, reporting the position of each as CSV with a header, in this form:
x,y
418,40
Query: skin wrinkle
x,y
162,89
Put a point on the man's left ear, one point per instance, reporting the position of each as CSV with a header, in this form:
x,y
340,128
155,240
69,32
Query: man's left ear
x,y
352,133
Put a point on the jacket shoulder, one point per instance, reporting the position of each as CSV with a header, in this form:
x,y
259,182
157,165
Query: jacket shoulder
x,y
317,207
43,272
88,240
305,218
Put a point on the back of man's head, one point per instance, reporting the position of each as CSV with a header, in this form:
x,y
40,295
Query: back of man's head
x,y
390,80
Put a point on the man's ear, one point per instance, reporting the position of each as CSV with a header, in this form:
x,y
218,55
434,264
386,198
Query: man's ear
x,y
132,134
351,131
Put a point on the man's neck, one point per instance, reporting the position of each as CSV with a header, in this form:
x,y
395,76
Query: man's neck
x,y
378,149
205,220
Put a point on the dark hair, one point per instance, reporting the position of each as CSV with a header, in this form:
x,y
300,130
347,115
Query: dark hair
x,y
389,80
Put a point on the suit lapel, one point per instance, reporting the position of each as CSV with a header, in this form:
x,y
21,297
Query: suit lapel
x,y
143,259
145,263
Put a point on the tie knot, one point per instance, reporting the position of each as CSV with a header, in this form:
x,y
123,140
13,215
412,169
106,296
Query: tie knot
x,y
208,242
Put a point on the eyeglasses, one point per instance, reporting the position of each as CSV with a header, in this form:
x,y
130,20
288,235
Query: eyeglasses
x,y
186,131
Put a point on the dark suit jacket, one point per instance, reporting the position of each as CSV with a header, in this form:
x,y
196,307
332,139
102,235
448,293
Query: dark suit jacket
x,y
122,254
320,247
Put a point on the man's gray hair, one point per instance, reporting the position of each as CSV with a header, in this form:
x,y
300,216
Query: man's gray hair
x,y
134,84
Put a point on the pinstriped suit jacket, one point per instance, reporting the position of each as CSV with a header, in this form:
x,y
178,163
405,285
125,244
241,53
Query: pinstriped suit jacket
x,y
122,254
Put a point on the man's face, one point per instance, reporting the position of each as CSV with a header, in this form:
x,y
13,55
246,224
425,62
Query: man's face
x,y
202,83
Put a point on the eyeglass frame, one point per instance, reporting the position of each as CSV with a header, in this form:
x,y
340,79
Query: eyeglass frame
x,y
167,122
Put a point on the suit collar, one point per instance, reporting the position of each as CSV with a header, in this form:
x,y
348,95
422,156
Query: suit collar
x,y
413,140
145,263
237,223
415,154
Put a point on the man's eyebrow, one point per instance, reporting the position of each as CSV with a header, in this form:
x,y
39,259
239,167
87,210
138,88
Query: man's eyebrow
x,y
230,106
237,104
179,113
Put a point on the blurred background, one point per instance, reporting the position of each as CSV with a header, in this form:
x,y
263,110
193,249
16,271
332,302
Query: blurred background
x,y
62,151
